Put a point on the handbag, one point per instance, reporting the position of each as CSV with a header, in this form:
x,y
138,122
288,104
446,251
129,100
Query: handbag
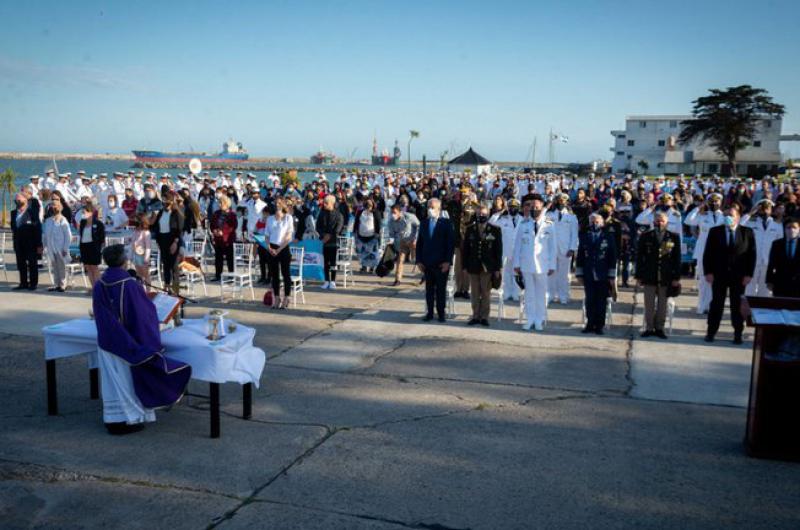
x,y
497,280
673,291
268,298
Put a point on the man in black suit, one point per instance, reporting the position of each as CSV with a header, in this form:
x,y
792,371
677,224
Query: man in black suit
x,y
783,270
26,230
729,260
435,243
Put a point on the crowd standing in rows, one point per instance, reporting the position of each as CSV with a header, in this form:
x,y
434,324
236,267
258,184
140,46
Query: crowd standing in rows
x,y
519,232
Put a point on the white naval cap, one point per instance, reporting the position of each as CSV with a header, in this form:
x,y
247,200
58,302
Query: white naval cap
x,y
34,177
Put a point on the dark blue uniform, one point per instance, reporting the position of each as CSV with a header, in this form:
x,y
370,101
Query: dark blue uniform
x,y
596,263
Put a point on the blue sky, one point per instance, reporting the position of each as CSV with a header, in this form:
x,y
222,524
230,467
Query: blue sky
x,y
287,77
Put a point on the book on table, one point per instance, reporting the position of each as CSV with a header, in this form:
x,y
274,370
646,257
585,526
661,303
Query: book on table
x,y
166,306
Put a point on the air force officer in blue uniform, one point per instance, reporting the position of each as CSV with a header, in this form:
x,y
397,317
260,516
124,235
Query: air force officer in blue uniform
x,y
596,267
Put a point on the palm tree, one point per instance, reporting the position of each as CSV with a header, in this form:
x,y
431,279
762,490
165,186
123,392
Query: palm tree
x,y
7,187
411,135
728,119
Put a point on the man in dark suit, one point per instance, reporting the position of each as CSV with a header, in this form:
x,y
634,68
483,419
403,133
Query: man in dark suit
x,y
729,260
783,270
596,268
26,230
483,259
435,243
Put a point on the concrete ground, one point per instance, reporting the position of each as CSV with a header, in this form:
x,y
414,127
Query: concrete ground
x,y
368,418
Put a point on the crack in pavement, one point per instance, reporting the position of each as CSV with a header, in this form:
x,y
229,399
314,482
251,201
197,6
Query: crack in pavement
x,y
363,516
29,471
629,348
284,471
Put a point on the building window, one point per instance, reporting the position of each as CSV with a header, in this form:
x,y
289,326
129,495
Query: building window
x,y
757,143
643,124
622,136
662,143
620,153
630,156
713,168
673,124
631,143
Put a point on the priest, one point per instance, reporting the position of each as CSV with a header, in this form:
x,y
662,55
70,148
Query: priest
x,y
136,376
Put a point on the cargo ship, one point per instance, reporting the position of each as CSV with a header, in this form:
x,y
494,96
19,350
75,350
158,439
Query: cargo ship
x,y
384,159
232,152
323,157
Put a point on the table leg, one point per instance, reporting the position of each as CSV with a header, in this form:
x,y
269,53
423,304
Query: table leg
x,y
214,409
52,391
94,383
247,401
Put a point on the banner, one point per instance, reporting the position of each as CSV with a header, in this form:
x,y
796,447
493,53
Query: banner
x,y
313,263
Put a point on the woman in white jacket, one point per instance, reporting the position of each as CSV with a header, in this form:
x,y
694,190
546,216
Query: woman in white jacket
x,y
56,242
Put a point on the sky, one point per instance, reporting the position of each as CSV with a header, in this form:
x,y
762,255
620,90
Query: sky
x,y
288,77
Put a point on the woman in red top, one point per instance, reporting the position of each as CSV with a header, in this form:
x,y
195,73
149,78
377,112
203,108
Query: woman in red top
x,y
223,230
129,204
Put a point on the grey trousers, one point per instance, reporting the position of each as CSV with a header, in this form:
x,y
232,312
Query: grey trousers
x,y
481,287
655,307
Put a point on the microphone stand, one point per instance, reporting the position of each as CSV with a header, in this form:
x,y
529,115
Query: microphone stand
x,y
182,298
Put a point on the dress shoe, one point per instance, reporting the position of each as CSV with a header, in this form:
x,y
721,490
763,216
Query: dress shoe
x,y
51,289
527,327
587,329
441,318
61,290
660,334
647,333
484,322
738,339
709,338
395,283
31,287
123,428
599,331
473,321
538,326
19,287
427,318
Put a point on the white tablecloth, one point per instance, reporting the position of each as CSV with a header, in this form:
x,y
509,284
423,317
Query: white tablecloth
x,y
232,359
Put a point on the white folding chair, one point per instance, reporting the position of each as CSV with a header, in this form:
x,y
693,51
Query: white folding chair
x,y
188,280
197,250
3,254
344,259
670,313
155,265
241,278
609,312
296,267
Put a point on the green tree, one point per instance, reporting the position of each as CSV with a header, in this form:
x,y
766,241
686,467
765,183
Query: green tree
x,y
728,119
643,165
7,188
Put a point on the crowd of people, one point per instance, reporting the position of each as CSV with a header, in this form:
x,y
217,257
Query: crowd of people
x,y
518,232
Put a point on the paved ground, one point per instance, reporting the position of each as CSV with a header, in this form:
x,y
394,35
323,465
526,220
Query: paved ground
x,y
368,418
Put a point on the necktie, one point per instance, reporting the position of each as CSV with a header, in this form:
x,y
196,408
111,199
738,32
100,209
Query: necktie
x,y
730,237
715,218
790,248
535,228
559,215
433,226
514,220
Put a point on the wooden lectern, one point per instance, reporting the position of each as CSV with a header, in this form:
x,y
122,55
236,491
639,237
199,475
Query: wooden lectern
x,y
773,413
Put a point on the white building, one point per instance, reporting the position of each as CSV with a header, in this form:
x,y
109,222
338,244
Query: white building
x,y
654,141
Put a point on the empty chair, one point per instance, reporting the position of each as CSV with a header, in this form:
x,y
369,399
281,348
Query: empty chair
x,y
241,278
298,255
344,259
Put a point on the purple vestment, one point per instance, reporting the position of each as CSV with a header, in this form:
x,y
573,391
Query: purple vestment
x,y
128,327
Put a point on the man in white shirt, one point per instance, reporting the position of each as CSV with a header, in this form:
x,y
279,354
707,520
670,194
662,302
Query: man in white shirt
x,y
535,259
508,221
566,230
766,230
704,218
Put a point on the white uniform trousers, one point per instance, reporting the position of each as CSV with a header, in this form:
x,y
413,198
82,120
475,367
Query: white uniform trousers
x,y
758,285
535,298
558,283
703,289
510,287
120,402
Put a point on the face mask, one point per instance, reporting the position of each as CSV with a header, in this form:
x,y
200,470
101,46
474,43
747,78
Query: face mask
x,y
433,213
792,233
536,213
151,195
729,220
483,218
112,205
596,228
